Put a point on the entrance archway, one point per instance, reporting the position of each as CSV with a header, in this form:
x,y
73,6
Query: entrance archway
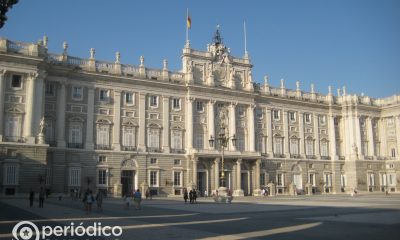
x,y
129,178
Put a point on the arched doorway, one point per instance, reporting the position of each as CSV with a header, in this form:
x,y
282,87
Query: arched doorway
x,y
297,177
129,177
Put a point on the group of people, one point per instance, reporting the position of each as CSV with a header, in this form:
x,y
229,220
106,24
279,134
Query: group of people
x,y
89,199
192,196
41,197
136,197
265,192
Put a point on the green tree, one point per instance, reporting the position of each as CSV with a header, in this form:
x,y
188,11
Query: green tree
x,y
4,6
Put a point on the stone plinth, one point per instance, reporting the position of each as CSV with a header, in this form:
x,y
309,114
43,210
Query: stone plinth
x,y
222,196
41,138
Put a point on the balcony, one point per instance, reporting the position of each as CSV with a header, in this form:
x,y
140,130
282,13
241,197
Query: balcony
x,y
279,155
154,149
368,157
342,158
102,147
325,157
175,150
311,157
295,156
14,139
74,145
129,148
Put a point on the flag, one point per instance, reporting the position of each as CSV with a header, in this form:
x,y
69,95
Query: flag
x,y
189,22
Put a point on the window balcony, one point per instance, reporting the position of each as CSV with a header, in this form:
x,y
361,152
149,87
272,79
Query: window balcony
x,y
176,150
342,158
14,139
128,148
279,155
295,156
369,157
380,158
311,157
325,157
154,149
75,145
103,147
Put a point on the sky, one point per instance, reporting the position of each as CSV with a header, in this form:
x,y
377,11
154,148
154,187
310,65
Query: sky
x,y
355,43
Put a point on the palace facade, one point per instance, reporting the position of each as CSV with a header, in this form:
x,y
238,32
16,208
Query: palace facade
x,y
70,123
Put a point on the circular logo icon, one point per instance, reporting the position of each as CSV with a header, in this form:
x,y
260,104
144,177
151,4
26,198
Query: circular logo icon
x,y
25,230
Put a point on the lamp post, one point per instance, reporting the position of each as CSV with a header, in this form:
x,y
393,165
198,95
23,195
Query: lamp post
x,y
223,141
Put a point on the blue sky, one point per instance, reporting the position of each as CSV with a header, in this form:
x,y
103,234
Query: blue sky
x,y
343,42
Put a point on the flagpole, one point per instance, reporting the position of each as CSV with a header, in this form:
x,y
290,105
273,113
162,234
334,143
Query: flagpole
x,y
187,28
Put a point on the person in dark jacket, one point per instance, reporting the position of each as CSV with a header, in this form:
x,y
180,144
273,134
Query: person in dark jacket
x,y
185,195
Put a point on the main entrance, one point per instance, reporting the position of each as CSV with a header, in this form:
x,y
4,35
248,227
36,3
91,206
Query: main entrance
x,y
127,181
297,180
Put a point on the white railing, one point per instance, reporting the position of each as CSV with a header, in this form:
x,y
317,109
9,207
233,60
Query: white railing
x,y
80,62
18,47
177,76
54,58
104,66
153,73
130,69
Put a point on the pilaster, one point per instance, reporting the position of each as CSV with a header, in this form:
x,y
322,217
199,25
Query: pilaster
x,y
60,117
2,87
189,122
211,126
251,139
286,134
269,131
257,190
89,119
238,188
332,137
216,173
301,132
165,135
316,136
29,120
371,140
117,120
232,124
194,162
142,122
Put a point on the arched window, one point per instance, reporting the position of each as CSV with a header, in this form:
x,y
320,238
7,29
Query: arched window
x,y
103,136
309,147
393,152
153,140
324,148
75,135
129,136
176,141
294,146
278,145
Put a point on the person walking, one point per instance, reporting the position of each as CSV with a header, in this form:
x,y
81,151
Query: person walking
x,y
191,196
185,195
99,201
194,196
137,198
88,200
205,194
127,200
41,197
31,197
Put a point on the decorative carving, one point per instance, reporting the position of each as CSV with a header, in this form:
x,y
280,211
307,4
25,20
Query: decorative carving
x,y
117,57
92,52
141,61
42,125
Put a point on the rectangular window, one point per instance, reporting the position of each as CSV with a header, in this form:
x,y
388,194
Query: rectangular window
x,y
75,177
199,141
129,98
262,179
276,114
75,133
292,116
328,179
278,149
16,81
309,147
104,95
311,179
13,128
11,175
102,159
177,178
129,139
77,93
102,177
154,138
49,131
199,106
307,118
259,113
176,103
50,90
103,135
280,179
324,149
371,179
177,162
176,139
153,160
153,101
322,119
294,146
153,178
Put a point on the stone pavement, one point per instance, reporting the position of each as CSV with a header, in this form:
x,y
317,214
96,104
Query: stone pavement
x,y
313,217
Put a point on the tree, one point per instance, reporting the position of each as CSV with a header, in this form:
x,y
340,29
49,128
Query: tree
x,y
4,6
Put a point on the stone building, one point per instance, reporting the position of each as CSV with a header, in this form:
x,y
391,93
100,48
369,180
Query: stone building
x,y
70,123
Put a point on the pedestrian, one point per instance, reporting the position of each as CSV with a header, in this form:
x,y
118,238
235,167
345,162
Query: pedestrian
x,y
263,192
31,197
88,200
137,198
205,194
99,201
191,196
185,195
41,197
127,200
194,196
147,194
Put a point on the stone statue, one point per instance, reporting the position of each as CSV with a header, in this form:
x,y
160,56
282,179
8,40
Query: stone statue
x,y
42,125
189,66
355,149
232,74
209,69
266,80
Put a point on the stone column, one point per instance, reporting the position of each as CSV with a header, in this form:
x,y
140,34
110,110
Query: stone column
x,y
358,135
216,173
142,122
211,124
257,190
29,120
2,94
301,133
251,139
194,162
269,132
60,117
316,136
189,123
286,134
165,136
398,136
89,120
238,189
371,140
38,112
332,137
383,137
117,121
232,124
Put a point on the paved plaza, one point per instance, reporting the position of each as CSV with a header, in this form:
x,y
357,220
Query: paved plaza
x,y
374,216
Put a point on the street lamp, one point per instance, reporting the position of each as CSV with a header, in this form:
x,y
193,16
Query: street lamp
x,y
223,143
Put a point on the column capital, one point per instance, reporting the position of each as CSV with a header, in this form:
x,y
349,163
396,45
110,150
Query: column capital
x,y
3,72
212,101
252,106
233,103
239,161
165,97
217,160
117,91
258,161
190,99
